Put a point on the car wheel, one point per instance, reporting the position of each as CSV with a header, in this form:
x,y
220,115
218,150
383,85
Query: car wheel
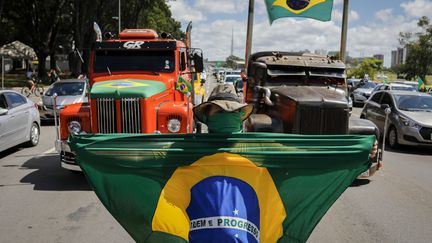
x,y
34,135
354,103
393,138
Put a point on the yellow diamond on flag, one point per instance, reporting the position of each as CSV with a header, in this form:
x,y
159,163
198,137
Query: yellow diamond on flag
x,y
123,83
297,6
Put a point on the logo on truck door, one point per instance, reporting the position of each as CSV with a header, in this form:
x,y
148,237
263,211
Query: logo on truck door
x,y
133,44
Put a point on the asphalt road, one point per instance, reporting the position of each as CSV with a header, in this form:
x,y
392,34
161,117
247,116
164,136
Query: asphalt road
x,y
41,202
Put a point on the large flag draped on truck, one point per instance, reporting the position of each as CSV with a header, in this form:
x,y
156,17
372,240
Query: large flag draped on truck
x,y
315,9
251,187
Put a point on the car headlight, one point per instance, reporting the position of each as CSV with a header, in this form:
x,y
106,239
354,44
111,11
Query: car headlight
x,y
409,123
174,125
74,127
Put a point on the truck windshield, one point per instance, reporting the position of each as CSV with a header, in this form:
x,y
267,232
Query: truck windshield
x,y
65,88
134,60
302,76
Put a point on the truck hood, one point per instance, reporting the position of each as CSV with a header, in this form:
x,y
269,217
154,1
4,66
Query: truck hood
x,y
314,96
126,88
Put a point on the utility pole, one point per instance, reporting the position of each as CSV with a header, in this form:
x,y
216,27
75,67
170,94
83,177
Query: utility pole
x,y
232,41
119,17
249,31
342,51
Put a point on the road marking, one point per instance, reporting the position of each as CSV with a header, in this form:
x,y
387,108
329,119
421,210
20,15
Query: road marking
x,y
49,151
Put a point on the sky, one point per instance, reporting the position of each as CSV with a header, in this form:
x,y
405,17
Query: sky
x,y
373,28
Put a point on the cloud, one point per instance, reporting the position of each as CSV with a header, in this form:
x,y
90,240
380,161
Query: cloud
x,y
418,8
377,34
222,6
337,16
182,11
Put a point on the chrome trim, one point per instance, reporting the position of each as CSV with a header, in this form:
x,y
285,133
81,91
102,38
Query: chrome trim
x,y
157,113
131,115
106,118
61,145
70,166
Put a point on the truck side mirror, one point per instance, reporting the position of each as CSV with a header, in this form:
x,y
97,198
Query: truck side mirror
x,y
198,62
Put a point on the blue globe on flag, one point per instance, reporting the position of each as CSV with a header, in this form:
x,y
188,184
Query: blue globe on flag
x,y
297,4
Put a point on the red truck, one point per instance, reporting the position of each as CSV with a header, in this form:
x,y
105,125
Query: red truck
x,y
139,83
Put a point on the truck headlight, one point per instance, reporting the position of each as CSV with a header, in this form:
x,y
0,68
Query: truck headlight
x,y
174,125
409,123
74,127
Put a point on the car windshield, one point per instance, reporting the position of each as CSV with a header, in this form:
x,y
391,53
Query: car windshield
x,y
367,85
407,88
414,103
107,61
66,88
232,79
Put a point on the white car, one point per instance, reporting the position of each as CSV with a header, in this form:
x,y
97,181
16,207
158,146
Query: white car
x,y
19,120
69,91
394,86
232,79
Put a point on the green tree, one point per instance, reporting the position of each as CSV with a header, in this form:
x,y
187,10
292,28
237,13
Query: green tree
x,y
419,59
231,61
369,66
38,24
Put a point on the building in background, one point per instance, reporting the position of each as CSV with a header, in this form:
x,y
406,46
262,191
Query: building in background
x,y
399,56
379,57
321,52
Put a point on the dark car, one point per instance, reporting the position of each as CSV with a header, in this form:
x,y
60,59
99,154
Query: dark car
x,y
410,121
361,92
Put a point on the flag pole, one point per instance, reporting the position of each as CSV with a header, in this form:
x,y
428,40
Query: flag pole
x,y
249,32
342,52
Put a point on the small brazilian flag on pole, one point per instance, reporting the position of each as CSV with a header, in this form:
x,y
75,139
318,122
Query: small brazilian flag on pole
x,y
183,86
315,9
420,85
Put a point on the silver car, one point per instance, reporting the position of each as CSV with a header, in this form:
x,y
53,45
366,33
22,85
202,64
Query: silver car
x,y
361,92
69,91
19,120
410,120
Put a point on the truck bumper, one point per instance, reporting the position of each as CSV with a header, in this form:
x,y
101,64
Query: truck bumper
x,y
67,157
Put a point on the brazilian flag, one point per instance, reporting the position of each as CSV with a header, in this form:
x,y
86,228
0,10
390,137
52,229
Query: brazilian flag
x,y
315,9
420,85
183,86
250,187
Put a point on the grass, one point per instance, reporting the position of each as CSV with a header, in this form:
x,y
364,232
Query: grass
x,y
15,80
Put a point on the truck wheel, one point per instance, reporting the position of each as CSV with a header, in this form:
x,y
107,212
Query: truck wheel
x,y
393,138
34,135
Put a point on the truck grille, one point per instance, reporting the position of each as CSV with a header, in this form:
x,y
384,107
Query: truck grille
x,y
317,120
106,115
130,115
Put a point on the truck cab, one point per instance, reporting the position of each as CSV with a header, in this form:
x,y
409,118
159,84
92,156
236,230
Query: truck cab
x,y
301,94
138,84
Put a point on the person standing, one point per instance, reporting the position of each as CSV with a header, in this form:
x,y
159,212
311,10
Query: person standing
x,y
223,112
52,74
